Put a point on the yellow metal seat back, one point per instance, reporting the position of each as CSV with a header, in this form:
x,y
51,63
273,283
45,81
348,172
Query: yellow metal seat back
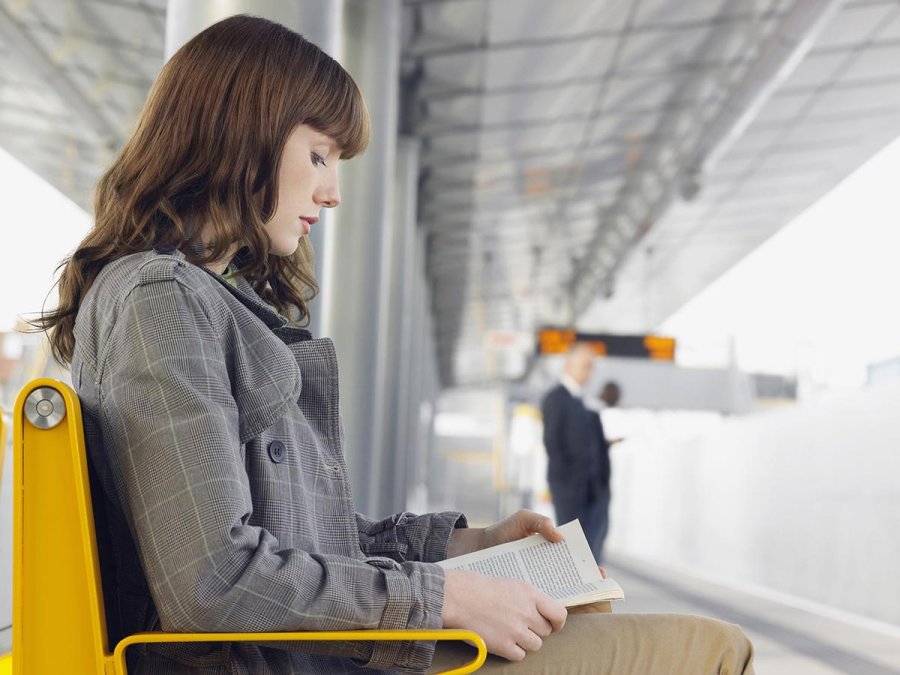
x,y
58,616
5,659
59,623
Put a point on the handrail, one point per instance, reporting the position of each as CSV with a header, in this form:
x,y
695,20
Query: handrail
x,y
118,658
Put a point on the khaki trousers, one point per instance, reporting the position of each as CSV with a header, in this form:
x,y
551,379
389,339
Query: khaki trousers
x,y
623,644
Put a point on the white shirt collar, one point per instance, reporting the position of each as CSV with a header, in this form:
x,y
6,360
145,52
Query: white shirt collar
x,y
595,404
570,384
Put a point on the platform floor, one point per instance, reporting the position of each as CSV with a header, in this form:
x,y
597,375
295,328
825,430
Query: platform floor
x,y
789,640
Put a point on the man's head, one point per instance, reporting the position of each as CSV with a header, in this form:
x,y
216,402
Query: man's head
x,y
580,363
611,394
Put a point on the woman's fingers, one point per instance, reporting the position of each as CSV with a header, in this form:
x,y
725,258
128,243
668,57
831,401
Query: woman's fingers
x,y
529,641
520,524
512,652
541,627
536,523
548,529
553,611
513,617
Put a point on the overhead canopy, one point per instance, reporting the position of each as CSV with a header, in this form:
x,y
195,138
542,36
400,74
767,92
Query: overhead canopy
x,y
587,163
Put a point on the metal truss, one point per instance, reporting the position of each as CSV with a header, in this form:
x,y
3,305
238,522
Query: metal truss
x,y
694,139
71,94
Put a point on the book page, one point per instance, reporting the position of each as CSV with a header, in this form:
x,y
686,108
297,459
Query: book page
x,y
564,570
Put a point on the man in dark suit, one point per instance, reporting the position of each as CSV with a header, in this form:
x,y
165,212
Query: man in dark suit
x,y
578,470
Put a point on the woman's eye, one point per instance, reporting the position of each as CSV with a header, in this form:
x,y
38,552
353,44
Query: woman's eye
x,y
318,160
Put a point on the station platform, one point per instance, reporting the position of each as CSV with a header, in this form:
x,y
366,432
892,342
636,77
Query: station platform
x,y
791,638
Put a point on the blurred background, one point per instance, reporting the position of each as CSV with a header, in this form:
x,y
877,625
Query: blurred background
x,y
704,190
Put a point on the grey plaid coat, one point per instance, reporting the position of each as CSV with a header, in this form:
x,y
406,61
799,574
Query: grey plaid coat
x,y
221,493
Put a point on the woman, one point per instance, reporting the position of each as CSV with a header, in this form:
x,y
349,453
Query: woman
x,y
221,493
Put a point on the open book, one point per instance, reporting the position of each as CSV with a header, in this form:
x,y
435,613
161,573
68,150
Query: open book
x,y
563,570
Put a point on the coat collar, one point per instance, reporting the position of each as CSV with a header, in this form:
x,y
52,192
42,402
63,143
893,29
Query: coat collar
x,y
243,291
575,389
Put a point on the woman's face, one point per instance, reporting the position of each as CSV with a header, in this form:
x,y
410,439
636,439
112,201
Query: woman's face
x,y
307,182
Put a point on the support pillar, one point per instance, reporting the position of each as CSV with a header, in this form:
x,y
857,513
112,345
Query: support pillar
x,y
353,258
358,283
321,22
401,448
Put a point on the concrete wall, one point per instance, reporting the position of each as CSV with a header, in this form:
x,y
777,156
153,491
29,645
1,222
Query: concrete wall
x,y
803,500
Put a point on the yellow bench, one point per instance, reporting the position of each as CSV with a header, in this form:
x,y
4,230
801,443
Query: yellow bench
x,y
5,659
58,613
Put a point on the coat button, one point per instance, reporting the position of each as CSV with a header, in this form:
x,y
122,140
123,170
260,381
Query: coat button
x,y
165,249
276,451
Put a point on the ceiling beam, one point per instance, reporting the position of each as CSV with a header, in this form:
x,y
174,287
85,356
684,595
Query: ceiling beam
x,y
473,206
440,129
585,36
70,93
778,58
436,158
443,91
693,136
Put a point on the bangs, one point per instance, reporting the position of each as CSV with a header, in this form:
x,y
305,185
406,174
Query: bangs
x,y
336,108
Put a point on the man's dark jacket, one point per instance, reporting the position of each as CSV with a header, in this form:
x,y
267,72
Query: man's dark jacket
x,y
575,442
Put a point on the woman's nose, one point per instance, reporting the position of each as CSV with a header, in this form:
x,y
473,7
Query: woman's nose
x,y
329,193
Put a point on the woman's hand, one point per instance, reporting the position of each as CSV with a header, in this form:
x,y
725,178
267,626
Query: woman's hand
x,y
522,523
513,617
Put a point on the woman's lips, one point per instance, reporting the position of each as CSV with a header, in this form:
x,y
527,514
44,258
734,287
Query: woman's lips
x,y
307,223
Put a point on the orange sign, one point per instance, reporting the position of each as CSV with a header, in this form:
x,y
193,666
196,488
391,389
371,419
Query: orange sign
x,y
561,340
555,340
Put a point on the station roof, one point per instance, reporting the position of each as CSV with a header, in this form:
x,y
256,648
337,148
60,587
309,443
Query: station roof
x,y
583,163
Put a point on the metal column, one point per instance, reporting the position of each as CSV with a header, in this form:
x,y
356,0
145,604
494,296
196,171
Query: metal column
x,y
317,20
430,390
354,280
423,383
320,21
400,406
358,287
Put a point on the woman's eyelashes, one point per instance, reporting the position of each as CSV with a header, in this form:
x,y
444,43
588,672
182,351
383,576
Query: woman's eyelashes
x,y
318,160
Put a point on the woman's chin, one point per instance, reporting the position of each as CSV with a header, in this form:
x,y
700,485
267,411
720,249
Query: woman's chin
x,y
285,248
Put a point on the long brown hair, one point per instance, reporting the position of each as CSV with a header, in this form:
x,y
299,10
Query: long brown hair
x,y
205,154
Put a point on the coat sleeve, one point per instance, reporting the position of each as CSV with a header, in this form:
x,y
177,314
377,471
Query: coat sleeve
x,y
170,424
406,536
